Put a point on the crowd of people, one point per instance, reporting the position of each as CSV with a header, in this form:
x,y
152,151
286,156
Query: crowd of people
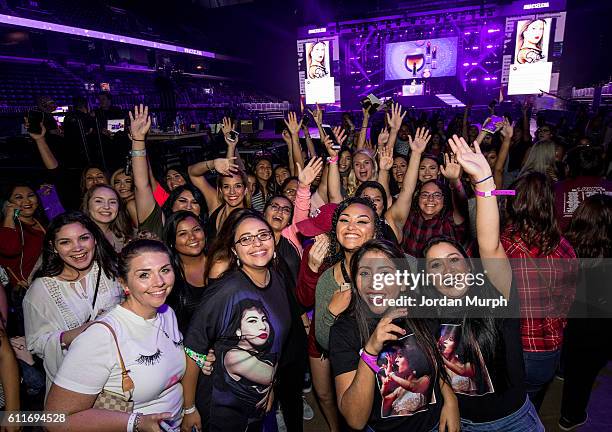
x,y
220,289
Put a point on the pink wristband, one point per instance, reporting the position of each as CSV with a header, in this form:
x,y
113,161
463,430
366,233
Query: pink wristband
x,y
370,360
332,160
495,192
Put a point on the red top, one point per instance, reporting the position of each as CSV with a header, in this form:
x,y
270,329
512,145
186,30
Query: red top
x,y
546,287
11,251
160,195
305,291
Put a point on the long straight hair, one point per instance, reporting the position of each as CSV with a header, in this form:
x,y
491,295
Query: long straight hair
x,y
589,231
120,226
360,310
52,263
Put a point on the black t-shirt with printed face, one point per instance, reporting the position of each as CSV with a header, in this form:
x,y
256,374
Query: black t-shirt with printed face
x,y
395,408
247,327
487,389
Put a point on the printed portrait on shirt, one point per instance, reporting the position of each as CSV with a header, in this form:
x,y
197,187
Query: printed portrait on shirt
x,y
247,356
468,373
406,378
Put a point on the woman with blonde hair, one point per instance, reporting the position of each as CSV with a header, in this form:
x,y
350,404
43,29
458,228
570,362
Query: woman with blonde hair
x,y
540,158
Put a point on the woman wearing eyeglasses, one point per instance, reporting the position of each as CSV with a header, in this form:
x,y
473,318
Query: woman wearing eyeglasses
x,y
225,400
434,213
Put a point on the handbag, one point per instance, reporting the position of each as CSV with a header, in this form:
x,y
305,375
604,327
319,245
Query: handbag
x,y
111,401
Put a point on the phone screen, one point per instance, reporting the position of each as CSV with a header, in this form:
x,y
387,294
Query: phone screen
x,y
35,118
490,127
329,132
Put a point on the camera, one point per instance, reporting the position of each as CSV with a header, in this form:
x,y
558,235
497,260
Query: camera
x,y
371,103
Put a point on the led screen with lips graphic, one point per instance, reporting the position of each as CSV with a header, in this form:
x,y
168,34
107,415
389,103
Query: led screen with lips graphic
x,y
421,59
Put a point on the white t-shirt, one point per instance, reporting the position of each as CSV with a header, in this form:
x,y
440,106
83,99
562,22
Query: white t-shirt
x,y
152,351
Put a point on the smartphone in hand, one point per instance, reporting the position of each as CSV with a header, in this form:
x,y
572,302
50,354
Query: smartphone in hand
x,y
330,133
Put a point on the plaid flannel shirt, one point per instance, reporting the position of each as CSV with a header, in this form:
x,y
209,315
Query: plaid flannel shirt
x,y
418,231
546,286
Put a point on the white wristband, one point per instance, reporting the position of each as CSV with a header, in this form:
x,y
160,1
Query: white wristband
x,y
130,424
189,410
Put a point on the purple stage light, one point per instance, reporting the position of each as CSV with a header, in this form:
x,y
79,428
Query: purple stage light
x,y
467,33
474,63
492,30
489,46
494,78
473,79
77,31
474,47
487,79
466,64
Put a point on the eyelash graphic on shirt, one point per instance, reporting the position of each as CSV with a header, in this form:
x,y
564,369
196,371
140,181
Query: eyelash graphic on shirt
x,y
178,344
149,360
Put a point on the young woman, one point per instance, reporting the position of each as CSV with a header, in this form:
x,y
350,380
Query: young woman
x,y
184,236
540,158
489,342
433,213
75,284
583,354
150,214
175,178
92,175
428,168
104,206
316,60
150,345
124,186
281,173
398,385
289,188
364,168
21,234
241,381
398,173
262,169
532,237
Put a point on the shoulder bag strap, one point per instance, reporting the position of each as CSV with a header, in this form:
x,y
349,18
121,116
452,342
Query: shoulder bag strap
x,y
126,382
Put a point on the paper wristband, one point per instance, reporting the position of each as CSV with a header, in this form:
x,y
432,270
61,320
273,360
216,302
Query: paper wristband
x,y
200,359
495,192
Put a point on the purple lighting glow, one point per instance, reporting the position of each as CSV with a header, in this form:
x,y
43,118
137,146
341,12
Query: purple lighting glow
x,y
489,46
487,79
474,47
492,30
77,31
473,79
466,64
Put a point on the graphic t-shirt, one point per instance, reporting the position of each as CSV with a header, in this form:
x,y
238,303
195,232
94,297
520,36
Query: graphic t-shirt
x,y
246,326
570,193
486,390
407,395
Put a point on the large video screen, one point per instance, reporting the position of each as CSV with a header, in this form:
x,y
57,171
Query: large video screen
x,y
316,60
531,62
428,58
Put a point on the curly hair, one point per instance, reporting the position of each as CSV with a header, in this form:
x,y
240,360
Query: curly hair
x,y
335,252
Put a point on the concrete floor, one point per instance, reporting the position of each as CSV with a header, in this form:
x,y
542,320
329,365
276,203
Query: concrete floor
x,y
600,407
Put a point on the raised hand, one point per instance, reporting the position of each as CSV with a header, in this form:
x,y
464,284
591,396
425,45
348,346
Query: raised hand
x,y
329,145
340,134
140,122
292,124
451,168
473,162
421,138
227,126
507,129
35,136
226,166
318,252
385,157
317,115
286,136
396,118
312,169
383,137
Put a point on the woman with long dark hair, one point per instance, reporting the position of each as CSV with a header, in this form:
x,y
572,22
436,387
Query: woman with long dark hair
x,y
265,186
239,377
123,183
545,272
584,354
184,236
75,284
488,347
399,384
21,234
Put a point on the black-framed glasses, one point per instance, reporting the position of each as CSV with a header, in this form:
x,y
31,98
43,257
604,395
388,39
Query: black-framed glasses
x,y
282,209
248,240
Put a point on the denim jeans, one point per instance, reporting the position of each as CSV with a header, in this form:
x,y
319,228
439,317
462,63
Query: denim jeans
x,y
525,419
540,369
